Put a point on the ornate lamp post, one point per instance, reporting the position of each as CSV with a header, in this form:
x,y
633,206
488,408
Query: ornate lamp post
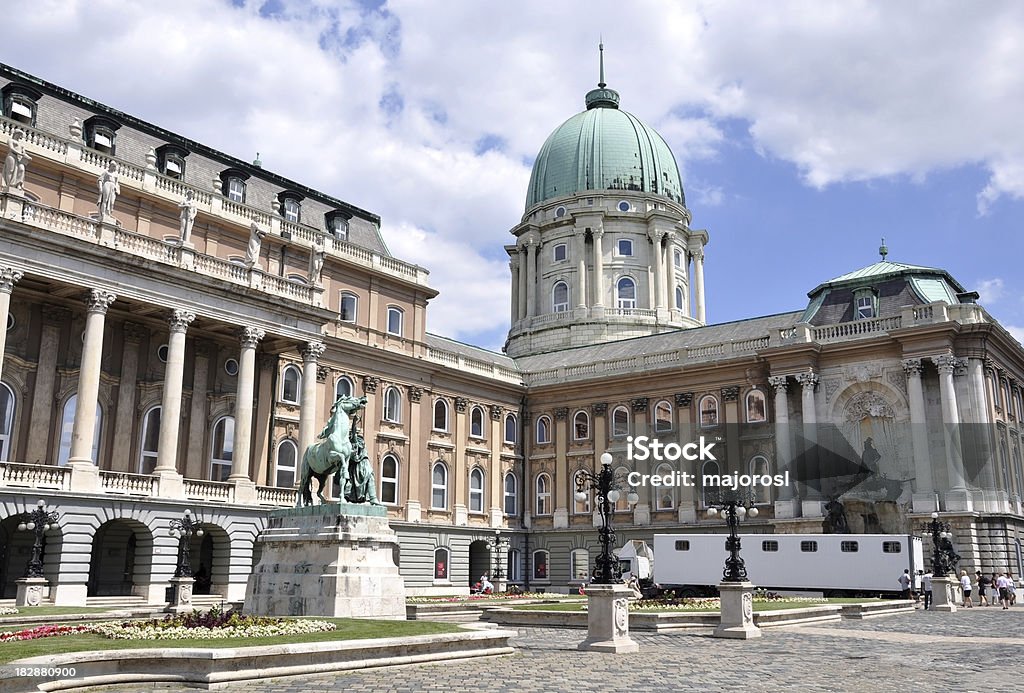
x,y
607,598
181,584
499,550
944,561
30,587
735,590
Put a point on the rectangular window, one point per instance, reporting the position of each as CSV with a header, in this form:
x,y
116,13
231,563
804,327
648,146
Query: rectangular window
x,y
540,565
809,546
236,190
770,546
683,545
865,307
560,252
19,108
625,247
892,547
101,140
849,547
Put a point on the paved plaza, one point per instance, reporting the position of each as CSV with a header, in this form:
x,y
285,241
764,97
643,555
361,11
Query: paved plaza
x,y
980,649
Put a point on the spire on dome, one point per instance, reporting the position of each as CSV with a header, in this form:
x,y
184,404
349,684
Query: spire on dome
x,y
602,97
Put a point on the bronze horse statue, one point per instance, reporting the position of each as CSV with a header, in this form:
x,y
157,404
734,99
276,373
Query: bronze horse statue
x,y
331,452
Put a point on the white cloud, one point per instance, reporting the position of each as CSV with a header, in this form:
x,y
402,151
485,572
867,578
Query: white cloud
x,y
990,290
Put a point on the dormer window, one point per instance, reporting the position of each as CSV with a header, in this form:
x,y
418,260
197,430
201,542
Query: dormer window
x,y
291,206
865,304
170,160
100,134
337,224
20,103
232,184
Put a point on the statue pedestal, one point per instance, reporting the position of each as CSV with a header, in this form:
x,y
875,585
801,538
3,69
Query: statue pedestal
x,y
608,620
737,609
944,594
181,595
335,560
30,591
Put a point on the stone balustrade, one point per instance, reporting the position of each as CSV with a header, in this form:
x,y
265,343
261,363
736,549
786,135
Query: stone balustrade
x,y
35,476
462,362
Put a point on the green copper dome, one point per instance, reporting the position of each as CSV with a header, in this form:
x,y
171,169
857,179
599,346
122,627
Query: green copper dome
x,y
604,148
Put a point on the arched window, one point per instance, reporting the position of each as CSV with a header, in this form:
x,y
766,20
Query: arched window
x,y
285,466
665,499
515,573
759,467
708,411
580,507
392,405
67,424
395,319
622,504
662,417
625,291
579,565
679,298
620,422
291,384
150,444
756,407
476,422
543,430
581,426
440,414
389,480
441,556
560,297
511,494
223,448
511,429
540,564
476,491
344,387
7,403
710,468
347,307
543,504
439,487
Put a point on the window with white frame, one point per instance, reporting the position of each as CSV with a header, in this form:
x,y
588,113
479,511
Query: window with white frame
x,y
620,422
441,414
476,491
511,429
708,411
710,468
579,565
560,297
389,480
101,133
561,252
347,307
291,384
150,442
581,507
625,247
759,467
540,564
581,426
395,317
291,210
441,556
235,189
337,223
7,405
543,430
625,293
679,298
756,407
665,495
677,257
476,422
662,417
439,486
67,425
511,486
223,448
543,504
865,304
344,387
392,405
515,571
286,465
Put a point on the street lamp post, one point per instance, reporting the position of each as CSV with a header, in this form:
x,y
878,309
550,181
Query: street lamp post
x,y
30,587
181,584
607,597
944,560
733,505
735,591
498,546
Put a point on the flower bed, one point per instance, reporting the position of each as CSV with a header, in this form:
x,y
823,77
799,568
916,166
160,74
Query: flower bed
x,y
7,610
42,632
500,596
671,603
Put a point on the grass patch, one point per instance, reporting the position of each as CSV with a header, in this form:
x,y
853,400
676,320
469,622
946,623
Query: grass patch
x,y
347,629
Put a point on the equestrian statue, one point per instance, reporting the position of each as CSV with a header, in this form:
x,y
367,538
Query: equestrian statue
x,y
331,452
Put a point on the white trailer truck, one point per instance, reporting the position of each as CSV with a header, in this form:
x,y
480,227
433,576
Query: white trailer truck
x,y
834,564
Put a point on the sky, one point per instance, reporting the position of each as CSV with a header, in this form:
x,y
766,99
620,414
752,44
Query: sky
x,y
805,131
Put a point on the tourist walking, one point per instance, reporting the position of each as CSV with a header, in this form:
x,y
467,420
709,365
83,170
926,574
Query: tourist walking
x,y
984,584
904,581
1003,585
1013,588
965,585
926,581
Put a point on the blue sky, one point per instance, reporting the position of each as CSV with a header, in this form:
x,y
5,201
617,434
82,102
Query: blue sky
x,y
804,130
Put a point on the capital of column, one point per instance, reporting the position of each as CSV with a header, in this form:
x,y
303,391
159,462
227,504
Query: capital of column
x,y
461,403
250,337
911,366
656,235
960,365
8,278
561,413
599,408
946,363
698,254
808,380
597,232
779,382
683,399
312,351
179,320
496,412
99,301
415,394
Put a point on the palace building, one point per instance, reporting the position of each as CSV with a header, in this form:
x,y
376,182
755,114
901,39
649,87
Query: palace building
x,y
179,322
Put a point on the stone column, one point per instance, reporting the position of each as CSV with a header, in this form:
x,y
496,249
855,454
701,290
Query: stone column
x,y
659,270
981,441
196,452
54,319
170,414
957,498
83,432
561,481
531,278
249,338
923,499
513,266
698,278
581,269
808,382
597,234
523,273
125,418
495,478
311,353
8,278
785,505
409,492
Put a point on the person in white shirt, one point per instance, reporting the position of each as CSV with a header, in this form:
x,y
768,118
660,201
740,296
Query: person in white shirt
x,y
926,580
1003,585
965,585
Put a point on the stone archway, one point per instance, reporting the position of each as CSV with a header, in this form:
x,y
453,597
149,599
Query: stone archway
x,y
16,551
479,561
210,557
121,560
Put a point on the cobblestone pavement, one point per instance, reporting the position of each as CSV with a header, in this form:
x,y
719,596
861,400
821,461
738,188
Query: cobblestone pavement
x,y
980,649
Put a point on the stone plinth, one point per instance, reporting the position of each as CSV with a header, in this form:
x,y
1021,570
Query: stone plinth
x,y
944,593
181,595
31,591
608,620
737,607
333,560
